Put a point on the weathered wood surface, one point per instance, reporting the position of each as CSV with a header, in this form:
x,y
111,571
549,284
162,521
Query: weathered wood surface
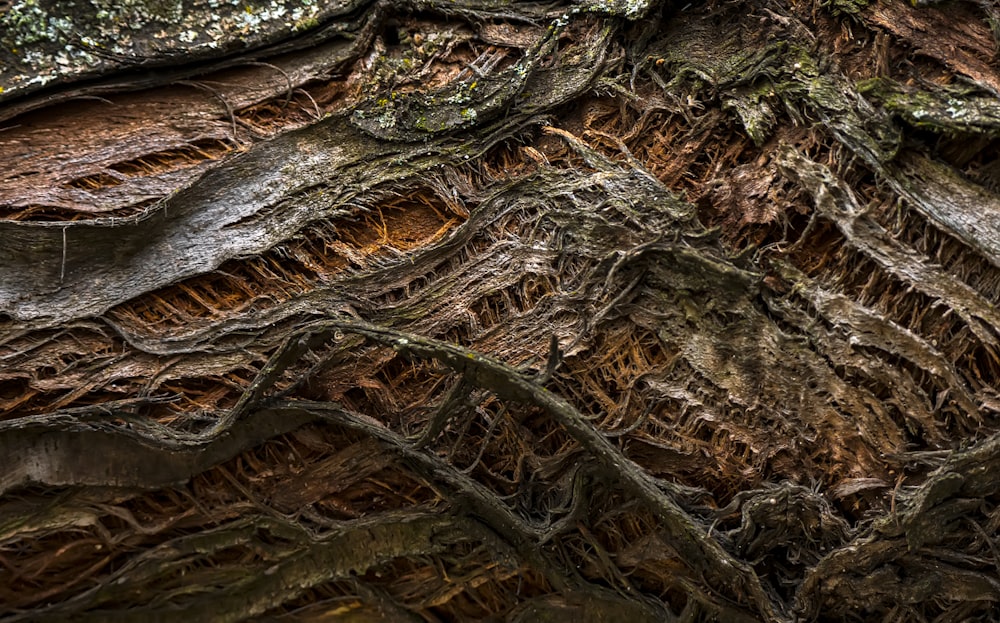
x,y
538,311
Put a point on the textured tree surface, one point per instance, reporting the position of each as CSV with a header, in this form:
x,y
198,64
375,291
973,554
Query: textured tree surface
x,y
456,310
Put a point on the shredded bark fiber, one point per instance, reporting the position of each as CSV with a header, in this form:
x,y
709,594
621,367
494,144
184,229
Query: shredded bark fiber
x,y
453,311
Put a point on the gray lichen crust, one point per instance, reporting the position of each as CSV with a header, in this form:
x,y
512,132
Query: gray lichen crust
x,y
48,42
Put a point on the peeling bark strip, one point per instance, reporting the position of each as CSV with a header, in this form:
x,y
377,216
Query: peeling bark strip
x,y
57,272
463,310
67,449
338,554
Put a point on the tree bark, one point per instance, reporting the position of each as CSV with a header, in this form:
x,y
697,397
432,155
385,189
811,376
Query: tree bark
x,y
471,310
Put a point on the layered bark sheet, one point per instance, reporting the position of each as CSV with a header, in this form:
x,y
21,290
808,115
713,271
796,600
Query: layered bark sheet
x,y
540,311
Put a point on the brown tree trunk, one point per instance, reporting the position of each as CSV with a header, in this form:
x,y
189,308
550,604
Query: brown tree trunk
x,y
435,311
